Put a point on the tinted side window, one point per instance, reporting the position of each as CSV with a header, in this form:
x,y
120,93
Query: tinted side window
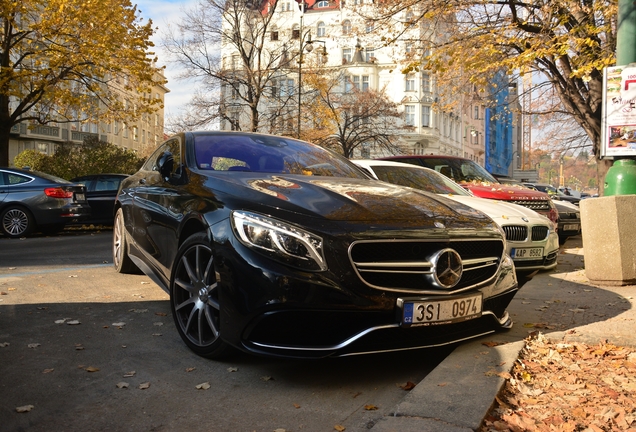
x,y
173,146
107,184
17,179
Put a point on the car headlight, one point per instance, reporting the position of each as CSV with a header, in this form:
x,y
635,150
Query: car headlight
x,y
279,240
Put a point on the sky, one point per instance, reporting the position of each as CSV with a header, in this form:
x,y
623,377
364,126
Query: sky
x,y
164,13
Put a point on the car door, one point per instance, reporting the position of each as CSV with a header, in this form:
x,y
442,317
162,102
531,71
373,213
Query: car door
x,y
4,187
156,212
101,197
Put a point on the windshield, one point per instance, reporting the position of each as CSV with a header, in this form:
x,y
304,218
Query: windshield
x,y
460,170
418,178
272,154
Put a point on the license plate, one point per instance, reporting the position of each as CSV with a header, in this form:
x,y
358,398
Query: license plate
x,y
527,253
441,311
80,197
571,227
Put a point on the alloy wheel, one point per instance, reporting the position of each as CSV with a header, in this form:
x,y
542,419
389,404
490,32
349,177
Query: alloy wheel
x,y
15,222
195,296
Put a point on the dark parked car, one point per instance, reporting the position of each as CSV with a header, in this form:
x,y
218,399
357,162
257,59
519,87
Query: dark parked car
x,y
35,201
280,247
101,191
569,220
554,193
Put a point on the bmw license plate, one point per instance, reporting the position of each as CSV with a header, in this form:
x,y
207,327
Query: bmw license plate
x,y
526,253
441,311
80,197
571,227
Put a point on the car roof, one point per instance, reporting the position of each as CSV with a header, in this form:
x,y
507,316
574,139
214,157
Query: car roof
x,y
429,156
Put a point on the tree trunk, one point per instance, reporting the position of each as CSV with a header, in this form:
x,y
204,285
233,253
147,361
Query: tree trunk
x,y
5,130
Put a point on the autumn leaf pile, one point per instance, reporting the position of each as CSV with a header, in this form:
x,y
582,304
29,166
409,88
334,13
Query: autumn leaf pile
x,y
567,387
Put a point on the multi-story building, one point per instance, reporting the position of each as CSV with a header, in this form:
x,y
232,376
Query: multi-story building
x,y
140,135
356,47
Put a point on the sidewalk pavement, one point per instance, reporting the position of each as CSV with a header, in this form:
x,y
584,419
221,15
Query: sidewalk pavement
x,y
562,304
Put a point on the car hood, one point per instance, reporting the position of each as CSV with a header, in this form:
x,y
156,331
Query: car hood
x,y
502,212
347,199
567,207
499,191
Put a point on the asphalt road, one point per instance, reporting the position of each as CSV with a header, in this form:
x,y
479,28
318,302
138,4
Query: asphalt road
x,y
83,348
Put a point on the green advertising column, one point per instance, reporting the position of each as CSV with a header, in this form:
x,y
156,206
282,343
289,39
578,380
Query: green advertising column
x,y
607,223
621,177
626,32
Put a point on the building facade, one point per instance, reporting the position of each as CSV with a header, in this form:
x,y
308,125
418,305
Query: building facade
x,y
139,136
357,48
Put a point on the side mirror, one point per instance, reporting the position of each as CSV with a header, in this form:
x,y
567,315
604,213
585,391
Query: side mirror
x,y
165,165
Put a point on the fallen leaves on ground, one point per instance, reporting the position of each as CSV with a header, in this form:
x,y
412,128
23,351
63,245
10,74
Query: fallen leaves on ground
x,y
567,387
203,386
25,408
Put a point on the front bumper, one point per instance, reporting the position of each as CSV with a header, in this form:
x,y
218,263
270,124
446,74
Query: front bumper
x,y
284,313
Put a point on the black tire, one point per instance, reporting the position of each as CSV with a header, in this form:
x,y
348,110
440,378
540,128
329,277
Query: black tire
x,y
121,260
16,222
194,298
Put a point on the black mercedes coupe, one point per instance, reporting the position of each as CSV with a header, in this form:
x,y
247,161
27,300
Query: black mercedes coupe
x,y
279,247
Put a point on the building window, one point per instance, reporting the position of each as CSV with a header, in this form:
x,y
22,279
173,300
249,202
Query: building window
x,y
135,134
288,86
365,82
410,82
408,47
356,82
348,86
346,55
410,19
426,116
320,29
368,26
369,55
346,27
274,34
476,113
409,115
322,4
124,129
426,82
275,89
116,128
295,32
420,147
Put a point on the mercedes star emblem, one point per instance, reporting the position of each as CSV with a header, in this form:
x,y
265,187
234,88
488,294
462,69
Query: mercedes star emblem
x,y
447,268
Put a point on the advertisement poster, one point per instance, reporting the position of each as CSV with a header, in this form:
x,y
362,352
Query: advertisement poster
x,y
619,112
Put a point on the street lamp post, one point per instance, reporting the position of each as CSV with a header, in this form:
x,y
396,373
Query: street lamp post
x,y
303,45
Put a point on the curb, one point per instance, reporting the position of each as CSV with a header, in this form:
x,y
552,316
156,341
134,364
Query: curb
x,y
458,394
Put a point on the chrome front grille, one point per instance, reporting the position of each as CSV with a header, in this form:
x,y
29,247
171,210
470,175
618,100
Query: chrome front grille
x,y
405,265
516,232
536,205
539,232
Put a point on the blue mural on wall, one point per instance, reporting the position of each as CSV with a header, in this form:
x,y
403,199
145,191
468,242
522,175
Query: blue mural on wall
x,y
498,127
